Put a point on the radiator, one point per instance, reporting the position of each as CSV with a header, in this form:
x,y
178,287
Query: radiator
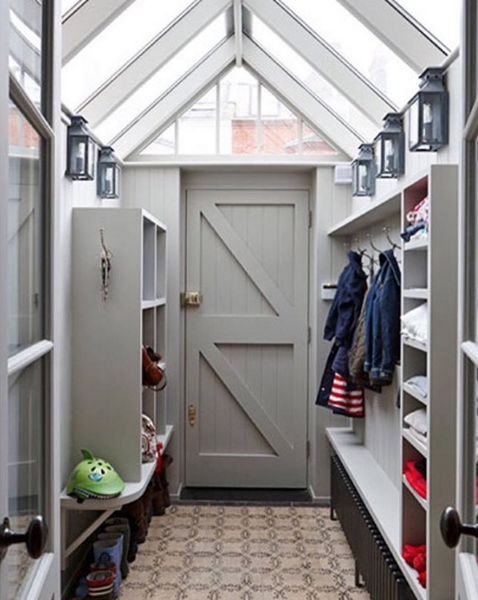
x,y
375,566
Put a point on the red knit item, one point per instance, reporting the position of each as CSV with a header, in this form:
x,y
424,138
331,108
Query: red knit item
x,y
416,479
422,578
420,562
411,552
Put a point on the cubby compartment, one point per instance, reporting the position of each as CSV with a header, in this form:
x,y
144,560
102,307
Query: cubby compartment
x,y
149,404
415,270
149,327
149,260
161,331
414,194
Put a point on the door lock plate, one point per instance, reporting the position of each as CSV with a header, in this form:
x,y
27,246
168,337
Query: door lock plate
x,y
192,415
191,299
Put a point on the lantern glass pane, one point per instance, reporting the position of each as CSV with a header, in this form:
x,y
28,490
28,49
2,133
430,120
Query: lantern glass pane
x,y
78,146
414,123
363,178
378,154
109,180
91,158
390,155
431,117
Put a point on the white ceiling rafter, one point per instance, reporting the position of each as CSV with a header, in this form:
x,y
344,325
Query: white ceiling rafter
x,y
166,108
403,35
335,130
80,26
157,53
322,57
237,9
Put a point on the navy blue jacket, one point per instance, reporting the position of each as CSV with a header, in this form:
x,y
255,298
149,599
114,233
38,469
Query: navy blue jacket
x,y
382,321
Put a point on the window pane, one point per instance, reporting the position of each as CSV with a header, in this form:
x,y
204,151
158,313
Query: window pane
x,y
238,106
357,44
115,46
25,243
313,144
280,127
165,143
441,17
66,5
159,83
25,59
311,79
197,127
26,428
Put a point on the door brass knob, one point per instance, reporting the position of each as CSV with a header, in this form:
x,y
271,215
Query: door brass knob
x,y
452,528
34,538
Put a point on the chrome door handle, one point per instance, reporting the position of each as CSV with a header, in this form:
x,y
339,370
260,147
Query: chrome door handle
x,y
34,538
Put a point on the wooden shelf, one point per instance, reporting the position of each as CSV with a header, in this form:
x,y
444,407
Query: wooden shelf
x,y
416,293
411,343
421,501
373,213
420,244
411,391
147,304
413,441
132,492
378,493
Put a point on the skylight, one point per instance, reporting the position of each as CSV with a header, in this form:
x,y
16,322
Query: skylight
x,y
441,17
115,46
311,79
194,51
238,116
359,46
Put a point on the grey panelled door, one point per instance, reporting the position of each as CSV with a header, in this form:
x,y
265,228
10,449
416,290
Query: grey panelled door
x,y
246,359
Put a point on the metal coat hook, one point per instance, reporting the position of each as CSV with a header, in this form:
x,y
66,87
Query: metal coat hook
x,y
105,265
372,245
386,230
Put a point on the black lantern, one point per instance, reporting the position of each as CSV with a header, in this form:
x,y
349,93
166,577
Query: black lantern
x,y
428,113
81,153
108,174
363,172
390,148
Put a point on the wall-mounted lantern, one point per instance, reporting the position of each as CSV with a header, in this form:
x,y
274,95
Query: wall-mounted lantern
x,y
109,173
363,172
428,113
81,151
390,148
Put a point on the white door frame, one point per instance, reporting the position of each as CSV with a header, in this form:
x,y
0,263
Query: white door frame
x,y
269,177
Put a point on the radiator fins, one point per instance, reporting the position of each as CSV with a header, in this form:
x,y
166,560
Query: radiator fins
x,y
375,566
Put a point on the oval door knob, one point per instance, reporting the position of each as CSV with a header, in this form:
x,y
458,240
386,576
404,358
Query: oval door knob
x,y
34,538
452,528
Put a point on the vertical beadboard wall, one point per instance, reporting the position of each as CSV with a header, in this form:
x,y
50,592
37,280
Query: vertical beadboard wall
x,y
157,190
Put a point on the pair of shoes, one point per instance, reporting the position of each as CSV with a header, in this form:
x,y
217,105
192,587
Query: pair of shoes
x,y
108,550
121,526
101,584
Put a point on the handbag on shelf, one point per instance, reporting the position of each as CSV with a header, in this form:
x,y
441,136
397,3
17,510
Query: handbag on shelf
x,y
154,376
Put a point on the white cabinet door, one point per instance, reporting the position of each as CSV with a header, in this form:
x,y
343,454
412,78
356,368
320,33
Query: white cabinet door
x,y
246,357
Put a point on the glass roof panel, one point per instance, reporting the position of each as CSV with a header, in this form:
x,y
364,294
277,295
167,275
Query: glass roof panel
x,y
441,17
359,46
197,126
67,4
194,51
311,79
115,46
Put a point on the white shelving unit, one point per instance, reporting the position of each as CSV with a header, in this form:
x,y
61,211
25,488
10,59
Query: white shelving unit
x,y
430,275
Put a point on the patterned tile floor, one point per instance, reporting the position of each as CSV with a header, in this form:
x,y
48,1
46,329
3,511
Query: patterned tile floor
x,y
243,553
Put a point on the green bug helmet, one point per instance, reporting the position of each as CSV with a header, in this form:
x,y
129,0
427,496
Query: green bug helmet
x,y
94,478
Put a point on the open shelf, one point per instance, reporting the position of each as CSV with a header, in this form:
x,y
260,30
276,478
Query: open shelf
x,y
373,213
421,501
416,293
413,441
410,390
415,344
132,492
165,437
420,244
147,304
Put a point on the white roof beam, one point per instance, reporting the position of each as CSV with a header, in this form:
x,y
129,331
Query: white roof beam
x,y
82,24
403,35
144,129
30,12
359,90
334,128
151,59
26,55
238,30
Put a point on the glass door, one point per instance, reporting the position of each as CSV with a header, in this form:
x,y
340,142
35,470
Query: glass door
x,y
459,524
28,563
